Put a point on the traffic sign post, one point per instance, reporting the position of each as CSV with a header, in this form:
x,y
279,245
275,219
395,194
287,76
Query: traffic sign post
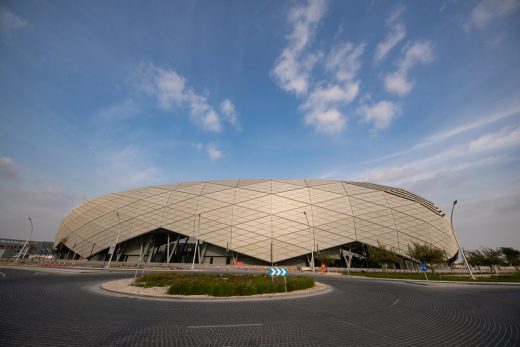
x,y
279,271
423,268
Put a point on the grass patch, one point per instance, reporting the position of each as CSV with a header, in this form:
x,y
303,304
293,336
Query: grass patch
x,y
515,277
222,284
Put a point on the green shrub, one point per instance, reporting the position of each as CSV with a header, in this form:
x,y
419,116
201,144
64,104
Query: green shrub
x,y
222,284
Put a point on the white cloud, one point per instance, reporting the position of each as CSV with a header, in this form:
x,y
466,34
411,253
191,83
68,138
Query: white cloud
x,y
396,33
8,168
9,22
323,104
170,89
231,115
398,84
488,10
344,61
202,113
214,153
419,52
329,121
166,86
292,68
211,149
502,139
324,97
380,114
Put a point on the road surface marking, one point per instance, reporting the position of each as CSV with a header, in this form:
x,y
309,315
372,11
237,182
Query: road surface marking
x,y
2,274
395,302
224,326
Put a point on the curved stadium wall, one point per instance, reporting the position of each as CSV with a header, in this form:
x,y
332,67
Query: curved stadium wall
x,y
253,221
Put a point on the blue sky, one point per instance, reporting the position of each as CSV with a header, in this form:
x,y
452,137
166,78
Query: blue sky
x,y
102,96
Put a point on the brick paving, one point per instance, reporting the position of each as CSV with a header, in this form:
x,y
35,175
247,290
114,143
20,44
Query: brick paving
x,y
49,309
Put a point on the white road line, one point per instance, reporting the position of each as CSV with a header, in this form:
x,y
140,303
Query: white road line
x,y
2,274
224,326
395,302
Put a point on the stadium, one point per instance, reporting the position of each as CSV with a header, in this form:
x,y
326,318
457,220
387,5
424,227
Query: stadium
x,y
259,222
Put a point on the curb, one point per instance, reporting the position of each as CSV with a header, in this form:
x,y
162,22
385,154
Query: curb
x,y
196,298
427,283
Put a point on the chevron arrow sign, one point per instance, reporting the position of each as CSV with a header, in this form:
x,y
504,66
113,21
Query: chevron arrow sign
x,y
278,271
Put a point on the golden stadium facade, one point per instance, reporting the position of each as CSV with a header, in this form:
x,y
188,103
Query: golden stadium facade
x,y
252,221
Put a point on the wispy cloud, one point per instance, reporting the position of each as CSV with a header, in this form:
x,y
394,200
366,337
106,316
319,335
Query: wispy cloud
x,y
170,90
230,113
8,168
505,138
293,66
211,150
396,33
380,114
324,97
487,11
418,52
484,150
9,22
127,167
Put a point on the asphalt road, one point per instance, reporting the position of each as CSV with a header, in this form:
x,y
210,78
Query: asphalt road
x,y
52,309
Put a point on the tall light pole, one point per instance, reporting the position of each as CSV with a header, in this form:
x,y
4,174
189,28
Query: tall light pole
x,y
458,243
196,244
313,240
117,239
26,241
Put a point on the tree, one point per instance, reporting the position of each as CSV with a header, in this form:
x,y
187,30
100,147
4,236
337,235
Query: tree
x,y
492,256
325,259
512,256
475,258
426,254
382,256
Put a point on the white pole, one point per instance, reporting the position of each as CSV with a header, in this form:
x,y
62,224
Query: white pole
x,y
312,241
196,244
26,241
458,243
117,239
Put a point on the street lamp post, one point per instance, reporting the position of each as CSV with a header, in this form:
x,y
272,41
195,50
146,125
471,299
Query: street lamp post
x,y
313,241
117,239
196,244
458,243
26,241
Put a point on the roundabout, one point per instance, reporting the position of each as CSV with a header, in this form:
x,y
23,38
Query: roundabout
x,y
125,287
55,308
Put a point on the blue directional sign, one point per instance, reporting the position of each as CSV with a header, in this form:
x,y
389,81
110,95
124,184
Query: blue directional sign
x,y
278,271
423,267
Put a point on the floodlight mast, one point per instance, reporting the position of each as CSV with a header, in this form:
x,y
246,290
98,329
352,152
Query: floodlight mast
x,y
26,241
458,243
117,239
313,245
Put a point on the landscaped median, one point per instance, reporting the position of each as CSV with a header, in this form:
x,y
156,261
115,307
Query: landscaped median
x,y
201,285
511,277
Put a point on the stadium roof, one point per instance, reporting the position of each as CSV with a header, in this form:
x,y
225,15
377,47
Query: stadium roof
x,y
262,218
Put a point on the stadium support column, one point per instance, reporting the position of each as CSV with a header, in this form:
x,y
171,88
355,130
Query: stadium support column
x,y
458,243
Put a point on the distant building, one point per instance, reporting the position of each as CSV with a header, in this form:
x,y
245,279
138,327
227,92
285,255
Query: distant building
x,y
252,221
10,248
